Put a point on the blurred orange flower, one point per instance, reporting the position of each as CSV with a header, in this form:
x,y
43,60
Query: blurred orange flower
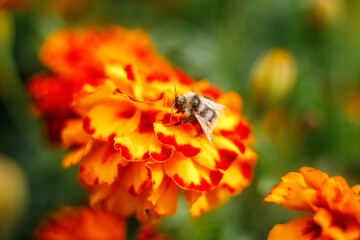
x,y
20,5
150,232
83,223
77,57
119,93
335,206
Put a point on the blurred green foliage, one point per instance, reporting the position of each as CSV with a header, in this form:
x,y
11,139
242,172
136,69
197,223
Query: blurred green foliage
x,y
219,40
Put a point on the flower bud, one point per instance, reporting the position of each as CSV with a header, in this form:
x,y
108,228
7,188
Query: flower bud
x,y
272,77
323,13
12,194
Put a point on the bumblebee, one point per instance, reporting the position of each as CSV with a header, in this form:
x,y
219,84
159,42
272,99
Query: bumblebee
x,y
203,109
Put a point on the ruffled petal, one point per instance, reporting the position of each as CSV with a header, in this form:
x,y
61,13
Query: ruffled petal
x,y
206,201
104,121
301,228
142,143
164,192
135,177
336,226
204,88
313,177
181,137
73,133
82,223
100,166
77,155
220,157
190,175
240,173
338,197
116,199
294,193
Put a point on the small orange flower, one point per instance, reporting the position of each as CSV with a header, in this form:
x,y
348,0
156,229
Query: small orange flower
x,y
130,161
81,224
335,206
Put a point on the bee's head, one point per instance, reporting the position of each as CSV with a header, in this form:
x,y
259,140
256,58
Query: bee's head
x,y
179,102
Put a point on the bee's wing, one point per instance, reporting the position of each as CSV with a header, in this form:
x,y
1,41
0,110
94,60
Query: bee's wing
x,y
206,126
219,108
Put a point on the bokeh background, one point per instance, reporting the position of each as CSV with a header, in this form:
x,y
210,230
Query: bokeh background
x,y
296,64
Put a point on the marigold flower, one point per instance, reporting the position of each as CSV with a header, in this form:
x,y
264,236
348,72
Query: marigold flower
x,y
335,206
83,223
130,161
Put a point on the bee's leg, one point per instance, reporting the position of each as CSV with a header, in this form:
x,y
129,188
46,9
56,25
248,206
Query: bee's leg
x,y
201,131
186,120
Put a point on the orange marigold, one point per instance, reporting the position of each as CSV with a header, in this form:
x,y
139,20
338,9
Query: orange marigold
x,y
129,160
335,206
81,224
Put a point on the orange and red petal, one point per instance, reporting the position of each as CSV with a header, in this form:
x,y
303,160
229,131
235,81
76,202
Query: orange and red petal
x,y
106,120
338,197
82,223
183,139
232,101
100,166
301,228
337,226
116,199
135,177
203,202
227,152
294,193
142,143
164,197
313,177
240,173
53,94
235,127
77,155
204,88
190,175
66,51
73,133
125,79
150,232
